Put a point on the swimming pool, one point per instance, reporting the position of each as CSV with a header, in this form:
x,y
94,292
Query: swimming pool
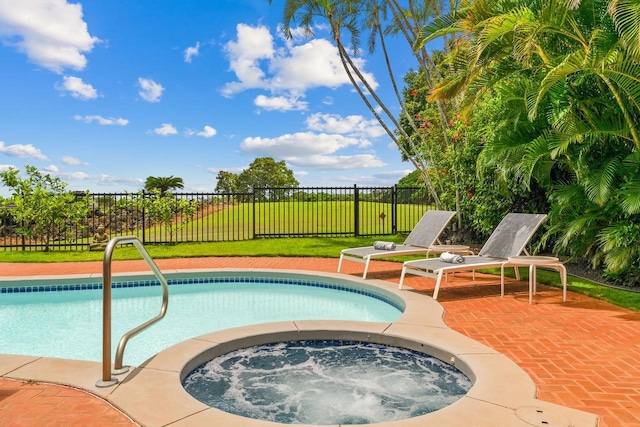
x,y
64,319
152,394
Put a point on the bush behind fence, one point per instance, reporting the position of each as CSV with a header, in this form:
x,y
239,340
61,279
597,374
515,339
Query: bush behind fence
x,y
263,213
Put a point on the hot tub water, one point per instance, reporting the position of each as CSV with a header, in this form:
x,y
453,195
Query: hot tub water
x,y
327,382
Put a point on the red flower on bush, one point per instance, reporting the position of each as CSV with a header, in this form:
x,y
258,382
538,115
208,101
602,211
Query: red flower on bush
x,y
414,92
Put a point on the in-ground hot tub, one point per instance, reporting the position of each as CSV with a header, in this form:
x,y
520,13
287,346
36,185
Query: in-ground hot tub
x,y
324,382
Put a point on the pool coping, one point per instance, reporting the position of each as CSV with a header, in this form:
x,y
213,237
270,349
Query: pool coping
x,y
151,394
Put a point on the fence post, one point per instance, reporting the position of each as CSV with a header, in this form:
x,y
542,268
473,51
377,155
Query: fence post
x,y
356,211
253,210
144,219
394,209
24,247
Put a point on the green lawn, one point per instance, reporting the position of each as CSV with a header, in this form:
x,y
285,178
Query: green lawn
x,y
326,247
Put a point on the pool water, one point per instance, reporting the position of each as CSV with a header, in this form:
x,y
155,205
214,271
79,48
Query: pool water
x,y
68,324
327,382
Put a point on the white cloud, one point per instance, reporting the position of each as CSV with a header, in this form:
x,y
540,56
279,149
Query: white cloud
x,y
109,180
72,161
51,33
313,64
149,90
102,180
338,162
353,125
191,51
293,69
235,169
7,167
279,103
252,45
102,120
19,150
206,132
77,88
52,169
165,130
307,149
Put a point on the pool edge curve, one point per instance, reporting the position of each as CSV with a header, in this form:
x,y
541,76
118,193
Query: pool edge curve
x,y
152,394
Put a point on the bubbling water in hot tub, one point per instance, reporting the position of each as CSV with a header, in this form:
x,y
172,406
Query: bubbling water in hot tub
x,y
327,382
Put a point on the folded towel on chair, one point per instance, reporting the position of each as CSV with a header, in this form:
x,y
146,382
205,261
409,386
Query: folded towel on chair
x,y
451,258
384,246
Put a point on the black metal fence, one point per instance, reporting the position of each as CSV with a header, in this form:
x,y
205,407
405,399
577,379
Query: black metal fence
x,y
265,212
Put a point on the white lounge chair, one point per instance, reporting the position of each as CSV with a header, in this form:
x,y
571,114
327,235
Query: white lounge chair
x,y
422,237
507,240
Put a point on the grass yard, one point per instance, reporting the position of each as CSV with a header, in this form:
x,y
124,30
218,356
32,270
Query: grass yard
x,y
291,218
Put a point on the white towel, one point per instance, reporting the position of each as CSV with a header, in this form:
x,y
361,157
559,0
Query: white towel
x,y
451,258
384,246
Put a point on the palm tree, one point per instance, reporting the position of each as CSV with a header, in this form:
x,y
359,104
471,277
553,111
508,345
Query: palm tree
x,y
569,72
163,184
350,19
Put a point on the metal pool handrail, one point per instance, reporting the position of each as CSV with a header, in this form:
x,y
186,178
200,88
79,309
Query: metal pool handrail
x,y
107,380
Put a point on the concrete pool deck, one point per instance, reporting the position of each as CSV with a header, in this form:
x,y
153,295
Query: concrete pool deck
x,y
581,354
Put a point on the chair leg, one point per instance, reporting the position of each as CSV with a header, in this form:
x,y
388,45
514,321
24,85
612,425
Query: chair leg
x,y
340,262
563,278
366,268
404,271
437,288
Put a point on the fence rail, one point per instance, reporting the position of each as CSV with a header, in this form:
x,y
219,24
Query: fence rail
x,y
262,213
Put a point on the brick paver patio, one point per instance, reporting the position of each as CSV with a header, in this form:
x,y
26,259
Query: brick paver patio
x,y
582,353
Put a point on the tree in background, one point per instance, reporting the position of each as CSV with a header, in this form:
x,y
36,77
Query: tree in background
x,y
263,173
162,183
226,182
41,206
267,173
163,209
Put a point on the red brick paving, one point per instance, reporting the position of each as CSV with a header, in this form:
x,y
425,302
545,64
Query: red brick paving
x,y
582,353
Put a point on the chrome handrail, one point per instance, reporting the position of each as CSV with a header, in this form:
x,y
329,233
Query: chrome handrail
x,y
107,380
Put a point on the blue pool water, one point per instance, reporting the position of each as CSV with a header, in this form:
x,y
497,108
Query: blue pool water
x,y
68,324
327,382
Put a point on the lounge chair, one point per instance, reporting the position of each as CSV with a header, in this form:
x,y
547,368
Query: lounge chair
x,y
422,237
507,240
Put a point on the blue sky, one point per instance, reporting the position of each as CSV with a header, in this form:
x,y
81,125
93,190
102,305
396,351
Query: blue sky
x,y
106,93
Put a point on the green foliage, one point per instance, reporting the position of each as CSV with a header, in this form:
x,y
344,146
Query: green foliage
x,y
567,75
166,210
481,197
264,173
163,183
412,179
41,206
226,182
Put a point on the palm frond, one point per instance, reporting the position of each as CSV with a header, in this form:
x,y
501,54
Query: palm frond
x,y
626,75
626,16
599,183
573,63
630,198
